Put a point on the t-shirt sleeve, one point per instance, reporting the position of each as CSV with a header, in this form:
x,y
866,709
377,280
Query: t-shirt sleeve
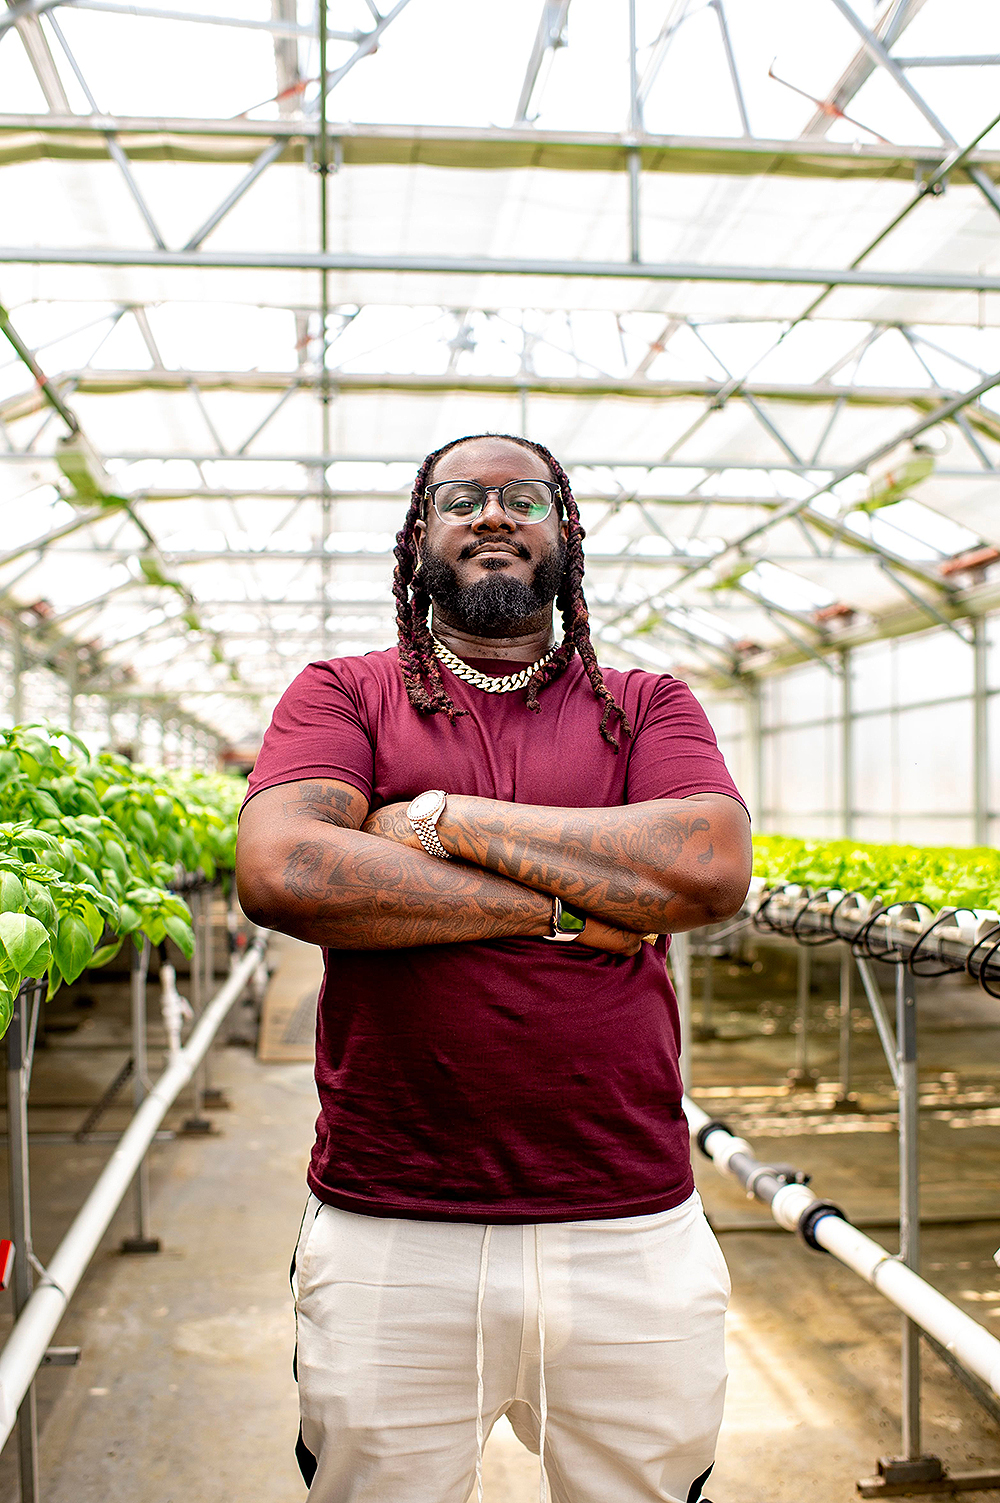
x,y
318,730
674,752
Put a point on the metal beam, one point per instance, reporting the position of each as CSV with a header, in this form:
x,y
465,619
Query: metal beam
x,y
100,381
881,56
551,35
711,466
159,13
889,27
482,266
26,137
267,555
114,148
39,55
794,508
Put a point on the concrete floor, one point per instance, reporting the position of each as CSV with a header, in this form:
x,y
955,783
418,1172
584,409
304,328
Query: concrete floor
x,y
184,1389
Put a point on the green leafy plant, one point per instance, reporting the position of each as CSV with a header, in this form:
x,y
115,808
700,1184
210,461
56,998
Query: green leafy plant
x,y
91,850
938,876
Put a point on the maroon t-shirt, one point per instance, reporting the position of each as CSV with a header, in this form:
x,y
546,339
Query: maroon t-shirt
x,y
509,1080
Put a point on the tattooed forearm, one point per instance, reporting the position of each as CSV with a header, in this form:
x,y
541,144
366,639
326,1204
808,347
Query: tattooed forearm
x,y
304,870
389,898
305,867
664,865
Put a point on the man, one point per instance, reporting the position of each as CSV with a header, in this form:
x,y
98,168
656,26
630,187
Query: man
x,y
502,1217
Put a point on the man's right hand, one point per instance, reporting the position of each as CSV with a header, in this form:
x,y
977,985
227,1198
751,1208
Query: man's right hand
x,y
598,936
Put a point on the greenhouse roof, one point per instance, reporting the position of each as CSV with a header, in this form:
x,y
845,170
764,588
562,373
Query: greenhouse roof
x,y
740,271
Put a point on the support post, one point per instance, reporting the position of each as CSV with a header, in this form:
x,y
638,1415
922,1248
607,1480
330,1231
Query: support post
x,y
909,1195
901,1475
680,966
19,1049
17,678
706,1028
846,1097
634,155
755,750
980,736
140,1241
197,1124
846,746
800,1077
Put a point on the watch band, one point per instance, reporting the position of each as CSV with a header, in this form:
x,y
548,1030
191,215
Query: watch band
x,y
424,824
430,839
567,924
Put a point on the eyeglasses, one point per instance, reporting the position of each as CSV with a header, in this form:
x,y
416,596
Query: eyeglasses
x,y
459,502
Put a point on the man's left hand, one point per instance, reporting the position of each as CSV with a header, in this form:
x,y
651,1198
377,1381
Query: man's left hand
x,y
390,823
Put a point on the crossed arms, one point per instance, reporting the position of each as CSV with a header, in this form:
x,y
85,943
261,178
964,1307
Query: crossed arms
x,y
312,862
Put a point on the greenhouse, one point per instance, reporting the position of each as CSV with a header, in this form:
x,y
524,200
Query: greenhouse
x,y
715,286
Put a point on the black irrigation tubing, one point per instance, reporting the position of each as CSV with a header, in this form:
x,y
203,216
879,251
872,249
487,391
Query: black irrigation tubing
x,y
947,967
815,941
984,964
863,939
854,893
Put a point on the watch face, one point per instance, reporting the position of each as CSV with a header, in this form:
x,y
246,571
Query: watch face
x,y
424,805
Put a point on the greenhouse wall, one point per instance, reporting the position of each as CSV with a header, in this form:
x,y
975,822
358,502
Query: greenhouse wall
x,y
903,747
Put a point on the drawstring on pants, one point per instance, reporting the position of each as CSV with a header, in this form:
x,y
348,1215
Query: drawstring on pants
x,y
484,1263
543,1408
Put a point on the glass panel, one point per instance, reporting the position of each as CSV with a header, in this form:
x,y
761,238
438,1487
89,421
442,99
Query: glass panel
x,y
877,828
872,676
934,760
809,693
806,770
993,651
932,665
923,831
993,762
770,700
873,763
812,826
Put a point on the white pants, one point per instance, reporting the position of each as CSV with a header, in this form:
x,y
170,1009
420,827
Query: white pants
x,y
600,1340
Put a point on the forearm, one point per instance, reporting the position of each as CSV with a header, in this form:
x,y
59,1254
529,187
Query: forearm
x,y
667,865
351,891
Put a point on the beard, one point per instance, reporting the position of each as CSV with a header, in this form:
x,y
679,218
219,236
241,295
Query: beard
x,y
496,605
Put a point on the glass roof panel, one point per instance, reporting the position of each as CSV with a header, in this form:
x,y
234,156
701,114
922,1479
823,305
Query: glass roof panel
x,y
734,408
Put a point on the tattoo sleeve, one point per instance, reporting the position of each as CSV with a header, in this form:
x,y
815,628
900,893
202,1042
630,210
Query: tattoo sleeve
x,y
666,865
305,867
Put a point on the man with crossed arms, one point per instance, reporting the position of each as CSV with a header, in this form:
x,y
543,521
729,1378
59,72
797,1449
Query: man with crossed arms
x,y
480,828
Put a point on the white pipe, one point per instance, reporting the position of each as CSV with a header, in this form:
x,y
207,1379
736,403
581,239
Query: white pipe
x,y
36,1325
174,1007
968,1342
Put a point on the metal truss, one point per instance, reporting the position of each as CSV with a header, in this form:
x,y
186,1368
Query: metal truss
x,y
105,381
470,148
304,135
484,266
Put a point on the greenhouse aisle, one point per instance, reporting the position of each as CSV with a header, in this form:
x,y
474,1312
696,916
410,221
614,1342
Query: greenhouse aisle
x,y
184,1390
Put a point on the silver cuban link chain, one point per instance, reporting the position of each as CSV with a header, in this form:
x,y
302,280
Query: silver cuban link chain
x,y
485,681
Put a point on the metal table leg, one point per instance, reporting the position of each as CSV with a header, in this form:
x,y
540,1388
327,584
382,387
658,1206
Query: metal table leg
x,y
800,1077
141,1241
680,966
899,1475
20,1047
847,1097
197,1125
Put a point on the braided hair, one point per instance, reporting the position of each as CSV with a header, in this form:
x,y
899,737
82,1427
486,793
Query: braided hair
x,y
420,668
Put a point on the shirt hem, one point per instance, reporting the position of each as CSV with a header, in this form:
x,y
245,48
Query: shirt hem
x,y
504,1213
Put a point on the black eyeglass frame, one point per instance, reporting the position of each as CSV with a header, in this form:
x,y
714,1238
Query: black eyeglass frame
x,y
498,490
